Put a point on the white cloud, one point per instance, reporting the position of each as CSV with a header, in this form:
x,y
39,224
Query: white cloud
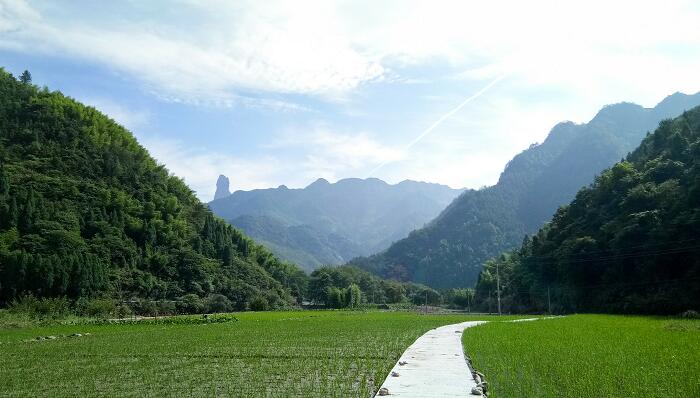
x,y
200,167
329,48
567,60
300,157
471,148
259,48
14,13
334,154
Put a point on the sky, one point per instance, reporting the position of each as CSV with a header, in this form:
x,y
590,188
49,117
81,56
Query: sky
x,y
285,92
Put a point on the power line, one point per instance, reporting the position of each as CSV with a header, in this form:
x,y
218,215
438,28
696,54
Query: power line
x,y
614,251
564,288
639,246
583,258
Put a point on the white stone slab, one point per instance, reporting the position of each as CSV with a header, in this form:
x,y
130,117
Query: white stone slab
x,y
435,366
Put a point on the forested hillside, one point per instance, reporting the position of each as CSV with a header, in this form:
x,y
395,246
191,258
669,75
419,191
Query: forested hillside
x,y
85,211
628,243
347,286
480,224
301,244
327,224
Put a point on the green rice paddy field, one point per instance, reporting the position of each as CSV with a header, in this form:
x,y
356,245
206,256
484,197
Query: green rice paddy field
x,y
280,354
588,356
348,354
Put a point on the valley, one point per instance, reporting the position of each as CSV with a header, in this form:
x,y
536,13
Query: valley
x,y
481,224
349,199
330,224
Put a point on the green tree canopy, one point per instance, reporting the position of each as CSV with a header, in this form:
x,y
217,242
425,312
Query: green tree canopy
x,y
628,243
86,211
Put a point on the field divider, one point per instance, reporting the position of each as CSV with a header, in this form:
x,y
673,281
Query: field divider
x,y
435,366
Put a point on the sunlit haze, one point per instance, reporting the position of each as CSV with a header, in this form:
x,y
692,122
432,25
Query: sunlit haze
x,y
274,93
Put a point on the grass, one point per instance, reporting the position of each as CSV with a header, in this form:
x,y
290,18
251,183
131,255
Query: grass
x,y
346,354
589,356
274,354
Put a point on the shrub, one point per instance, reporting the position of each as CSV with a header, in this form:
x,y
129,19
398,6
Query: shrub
x,y
97,308
259,303
145,307
165,307
51,308
172,320
190,304
218,303
122,311
335,298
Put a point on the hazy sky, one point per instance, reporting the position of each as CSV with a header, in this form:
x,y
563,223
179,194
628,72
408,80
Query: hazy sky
x,y
274,93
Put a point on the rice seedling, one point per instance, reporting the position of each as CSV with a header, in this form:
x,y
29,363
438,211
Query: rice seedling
x,y
272,354
588,356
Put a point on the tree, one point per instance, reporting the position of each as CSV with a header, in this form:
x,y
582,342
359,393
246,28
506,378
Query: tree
x,y
462,298
470,294
320,282
227,256
623,245
86,211
394,291
259,303
353,296
334,298
4,182
190,304
422,295
218,303
25,77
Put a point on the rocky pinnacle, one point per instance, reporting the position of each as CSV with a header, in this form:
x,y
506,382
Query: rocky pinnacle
x,y
222,187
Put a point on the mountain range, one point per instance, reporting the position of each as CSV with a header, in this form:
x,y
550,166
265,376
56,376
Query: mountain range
x,y
627,243
329,224
480,224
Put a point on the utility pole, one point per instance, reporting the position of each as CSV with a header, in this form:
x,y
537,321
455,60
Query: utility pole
x,y
426,301
549,302
498,289
490,299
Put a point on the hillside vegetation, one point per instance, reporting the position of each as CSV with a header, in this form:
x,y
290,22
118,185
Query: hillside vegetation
x,y
628,243
301,244
480,224
85,212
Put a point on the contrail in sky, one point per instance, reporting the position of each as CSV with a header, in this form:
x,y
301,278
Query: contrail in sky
x,y
442,119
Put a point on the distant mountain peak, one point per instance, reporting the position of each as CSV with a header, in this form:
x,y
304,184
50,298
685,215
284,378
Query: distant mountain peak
x,y
319,183
330,223
450,250
674,97
677,100
222,187
616,110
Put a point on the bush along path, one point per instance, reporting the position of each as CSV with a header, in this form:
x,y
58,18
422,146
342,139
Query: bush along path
x,y
435,366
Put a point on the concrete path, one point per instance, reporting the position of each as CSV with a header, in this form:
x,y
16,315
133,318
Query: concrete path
x,y
433,366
